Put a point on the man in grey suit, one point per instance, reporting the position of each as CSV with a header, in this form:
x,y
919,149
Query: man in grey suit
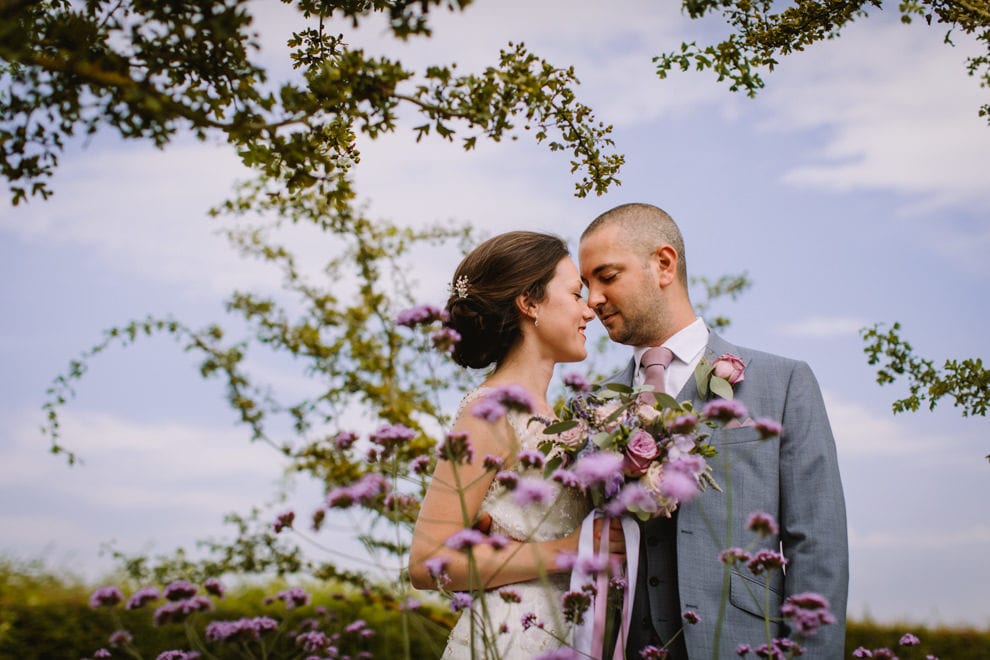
x,y
632,261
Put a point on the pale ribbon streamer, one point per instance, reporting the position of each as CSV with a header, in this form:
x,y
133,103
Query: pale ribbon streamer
x,y
587,637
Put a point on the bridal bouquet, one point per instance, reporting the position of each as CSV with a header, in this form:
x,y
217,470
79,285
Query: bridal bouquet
x,y
637,454
634,451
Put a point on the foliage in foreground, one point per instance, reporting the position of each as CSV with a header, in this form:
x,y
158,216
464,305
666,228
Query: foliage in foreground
x,y
46,615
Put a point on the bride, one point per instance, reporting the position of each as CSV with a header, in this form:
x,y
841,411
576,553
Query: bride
x,y
516,302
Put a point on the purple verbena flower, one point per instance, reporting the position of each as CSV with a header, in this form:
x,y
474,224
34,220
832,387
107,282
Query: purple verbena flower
x,y
509,595
120,638
178,655
180,590
691,616
242,629
465,538
565,560
767,428
909,639
732,555
437,566
312,641
574,604
492,463
460,601
214,586
456,448
762,523
283,520
529,620
531,490
389,435
102,653
652,652
141,597
498,541
420,314
531,458
420,464
410,604
344,440
489,410
678,484
445,339
576,382
599,468
177,611
294,597
807,612
743,650
105,597
566,478
724,410
514,397
683,424
509,480
766,560
355,626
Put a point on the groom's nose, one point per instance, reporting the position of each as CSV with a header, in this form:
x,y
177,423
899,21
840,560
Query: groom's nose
x,y
595,298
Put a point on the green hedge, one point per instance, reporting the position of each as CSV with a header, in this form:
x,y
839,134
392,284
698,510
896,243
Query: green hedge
x,y
47,617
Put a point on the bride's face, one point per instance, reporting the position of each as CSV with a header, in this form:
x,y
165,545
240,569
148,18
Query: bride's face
x,y
564,314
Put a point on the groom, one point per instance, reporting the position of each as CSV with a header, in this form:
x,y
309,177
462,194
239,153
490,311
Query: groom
x,y
632,261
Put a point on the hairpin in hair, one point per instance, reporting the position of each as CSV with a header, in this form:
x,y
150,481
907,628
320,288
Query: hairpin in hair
x,y
460,288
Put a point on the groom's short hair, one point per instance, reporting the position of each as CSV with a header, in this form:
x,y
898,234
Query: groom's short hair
x,y
644,228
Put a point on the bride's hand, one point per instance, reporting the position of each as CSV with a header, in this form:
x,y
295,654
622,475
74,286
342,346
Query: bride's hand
x,y
616,538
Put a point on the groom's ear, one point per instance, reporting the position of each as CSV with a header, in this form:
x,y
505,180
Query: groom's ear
x,y
665,258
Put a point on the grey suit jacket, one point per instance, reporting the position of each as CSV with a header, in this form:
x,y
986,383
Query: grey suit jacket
x,y
795,478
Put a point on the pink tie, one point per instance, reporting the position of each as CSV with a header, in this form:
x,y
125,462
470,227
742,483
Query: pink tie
x,y
654,365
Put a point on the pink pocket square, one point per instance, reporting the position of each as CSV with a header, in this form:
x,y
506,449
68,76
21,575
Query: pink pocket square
x,y
735,423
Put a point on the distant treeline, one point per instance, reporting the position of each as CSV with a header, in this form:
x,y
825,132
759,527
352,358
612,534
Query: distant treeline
x,y
49,617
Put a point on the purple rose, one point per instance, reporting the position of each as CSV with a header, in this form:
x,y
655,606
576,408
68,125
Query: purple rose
x,y
730,367
639,453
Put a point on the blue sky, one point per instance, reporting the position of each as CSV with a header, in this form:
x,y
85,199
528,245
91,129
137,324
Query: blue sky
x,y
854,189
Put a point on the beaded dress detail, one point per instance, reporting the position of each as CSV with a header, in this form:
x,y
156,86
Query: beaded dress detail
x,y
494,618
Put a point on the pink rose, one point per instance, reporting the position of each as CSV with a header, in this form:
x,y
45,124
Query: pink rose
x,y
603,412
574,438
647,414
640,452
730,367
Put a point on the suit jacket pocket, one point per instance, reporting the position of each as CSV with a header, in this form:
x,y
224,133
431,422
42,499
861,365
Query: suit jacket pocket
x,y
751,595
735,436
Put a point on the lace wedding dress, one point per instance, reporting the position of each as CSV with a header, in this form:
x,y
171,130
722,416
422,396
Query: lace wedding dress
x,y
500,619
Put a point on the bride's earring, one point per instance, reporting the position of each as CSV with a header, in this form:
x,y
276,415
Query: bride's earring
x,y
536,321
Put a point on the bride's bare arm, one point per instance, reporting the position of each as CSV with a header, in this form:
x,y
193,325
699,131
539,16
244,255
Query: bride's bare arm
x,y
452,503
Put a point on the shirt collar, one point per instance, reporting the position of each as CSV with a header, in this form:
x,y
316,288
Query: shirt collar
x,y
686,344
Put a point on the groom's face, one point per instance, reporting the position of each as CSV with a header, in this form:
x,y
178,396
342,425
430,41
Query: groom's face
x,y
623,288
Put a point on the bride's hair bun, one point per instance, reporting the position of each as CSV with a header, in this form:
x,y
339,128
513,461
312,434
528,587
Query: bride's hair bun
x,y
482,304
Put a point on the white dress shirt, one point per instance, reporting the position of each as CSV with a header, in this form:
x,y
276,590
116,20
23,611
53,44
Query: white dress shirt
x,y
687,345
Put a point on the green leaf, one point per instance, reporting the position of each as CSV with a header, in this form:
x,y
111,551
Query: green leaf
x,y
560,427
603,440
701,374
619,387
720,387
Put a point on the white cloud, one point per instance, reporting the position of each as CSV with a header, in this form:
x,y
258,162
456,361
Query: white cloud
x,y
819,327
900,112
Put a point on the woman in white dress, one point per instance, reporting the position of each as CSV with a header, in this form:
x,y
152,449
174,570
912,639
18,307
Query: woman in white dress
x,y
516,302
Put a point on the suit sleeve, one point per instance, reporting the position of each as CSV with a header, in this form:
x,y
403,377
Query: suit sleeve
x,y
813,512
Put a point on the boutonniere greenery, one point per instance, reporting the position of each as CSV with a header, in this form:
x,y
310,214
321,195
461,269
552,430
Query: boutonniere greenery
x,y
716,377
